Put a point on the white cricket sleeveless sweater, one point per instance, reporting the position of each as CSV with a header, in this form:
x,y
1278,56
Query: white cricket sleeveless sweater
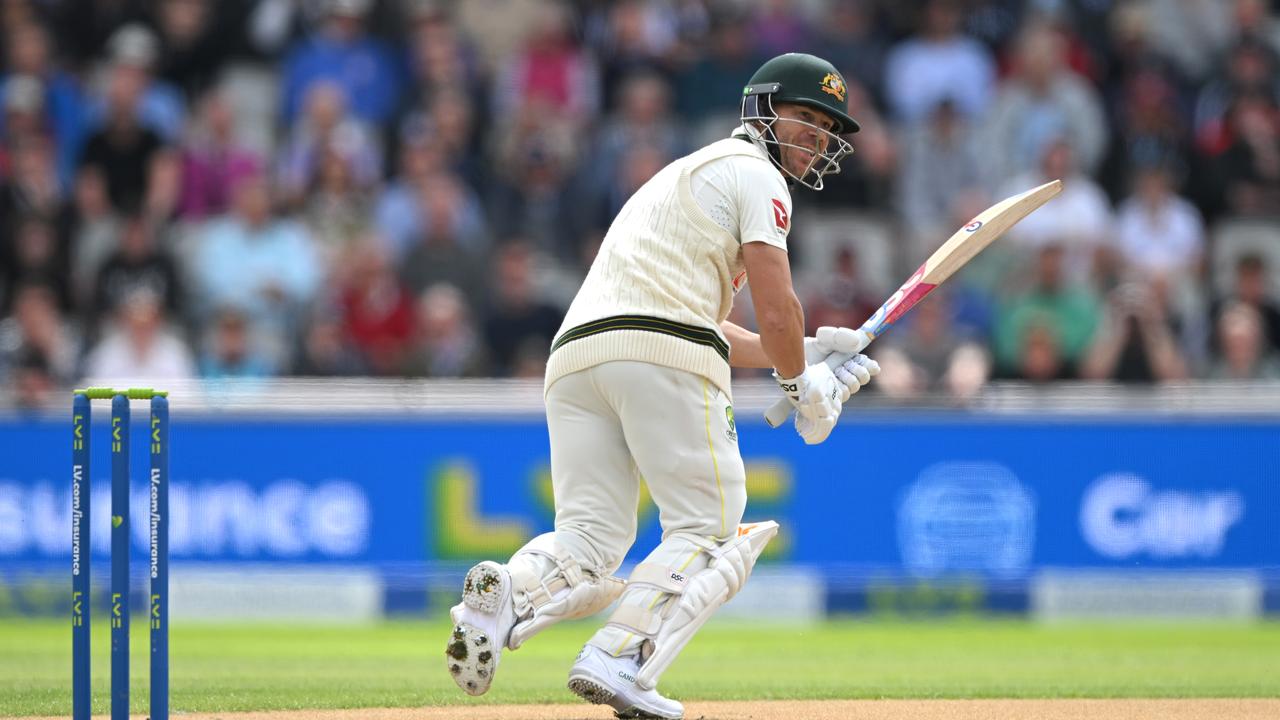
x,y
661,284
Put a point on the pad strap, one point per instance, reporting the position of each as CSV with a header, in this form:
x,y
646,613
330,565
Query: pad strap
x,y
660,576
541,591
637,620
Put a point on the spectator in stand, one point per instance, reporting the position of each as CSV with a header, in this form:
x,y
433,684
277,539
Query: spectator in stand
x,y
841,296
1191,32
1137,341
442,58
1147,99
931,355
1248,171
996,23
196,39
712,82
850,39
1249,68
1079,219
31,381
550,74
531,195
631,38
448,96
377,310
231,351
36,326
38,256
134,52
128,157
403,208
212,161
643,117
447,343
1040,356
337,208
140,347
24,113
779,26
267,266
29,55
84,29
32,189
341,52
1044,100
941,178
1068,311
1245,352
1251,291
932,65
497,41
1157,232
324,350
1254,19
451,123
519,327
449,246
139,263
1149,126
326,124
95,231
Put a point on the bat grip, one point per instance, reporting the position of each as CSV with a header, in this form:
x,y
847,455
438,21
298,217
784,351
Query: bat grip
x,y
781,410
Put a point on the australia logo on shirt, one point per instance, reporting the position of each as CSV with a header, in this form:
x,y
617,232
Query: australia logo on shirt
x,y
781,218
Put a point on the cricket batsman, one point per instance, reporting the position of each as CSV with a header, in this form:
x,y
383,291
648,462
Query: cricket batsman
x,y
637,386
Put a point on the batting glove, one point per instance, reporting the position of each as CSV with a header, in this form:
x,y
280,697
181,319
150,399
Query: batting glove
x,y
818,396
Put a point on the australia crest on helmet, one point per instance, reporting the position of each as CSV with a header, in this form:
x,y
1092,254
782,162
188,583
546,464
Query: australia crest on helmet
x,y
833,84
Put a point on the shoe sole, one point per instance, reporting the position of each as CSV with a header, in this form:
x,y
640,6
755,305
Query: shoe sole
x,y
591,691
597,693
471,655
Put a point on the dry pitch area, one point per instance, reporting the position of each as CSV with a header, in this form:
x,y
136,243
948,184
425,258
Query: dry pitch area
x,y
1125,709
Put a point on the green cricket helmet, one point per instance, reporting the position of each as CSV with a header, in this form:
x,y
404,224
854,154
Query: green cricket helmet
x,y
804,80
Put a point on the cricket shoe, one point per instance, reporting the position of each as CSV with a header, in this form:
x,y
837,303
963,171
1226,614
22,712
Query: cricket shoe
x,y
603,679
482,623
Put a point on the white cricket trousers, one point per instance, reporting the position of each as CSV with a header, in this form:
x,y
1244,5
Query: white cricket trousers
x,y
621,421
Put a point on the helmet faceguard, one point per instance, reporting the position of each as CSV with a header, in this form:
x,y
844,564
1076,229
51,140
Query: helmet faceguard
x,y
759,117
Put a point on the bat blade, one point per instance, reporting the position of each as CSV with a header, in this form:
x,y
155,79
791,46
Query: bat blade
x,y
958,250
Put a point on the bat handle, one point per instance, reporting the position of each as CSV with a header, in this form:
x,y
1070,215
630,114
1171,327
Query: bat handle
x,y
781,410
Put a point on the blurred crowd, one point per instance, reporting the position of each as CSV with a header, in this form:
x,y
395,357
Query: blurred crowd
x,y
415,188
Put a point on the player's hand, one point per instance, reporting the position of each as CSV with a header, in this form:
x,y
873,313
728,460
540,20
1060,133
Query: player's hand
x,y
854,373
854,370
829,339
817,395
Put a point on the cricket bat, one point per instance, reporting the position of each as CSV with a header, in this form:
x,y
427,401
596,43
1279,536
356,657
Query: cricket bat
x,y
959,249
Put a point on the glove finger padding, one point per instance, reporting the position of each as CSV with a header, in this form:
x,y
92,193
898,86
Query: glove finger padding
x,y
872,366
856,372
848,380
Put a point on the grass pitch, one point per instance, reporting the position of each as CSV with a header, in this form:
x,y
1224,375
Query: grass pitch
x,y
401,664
